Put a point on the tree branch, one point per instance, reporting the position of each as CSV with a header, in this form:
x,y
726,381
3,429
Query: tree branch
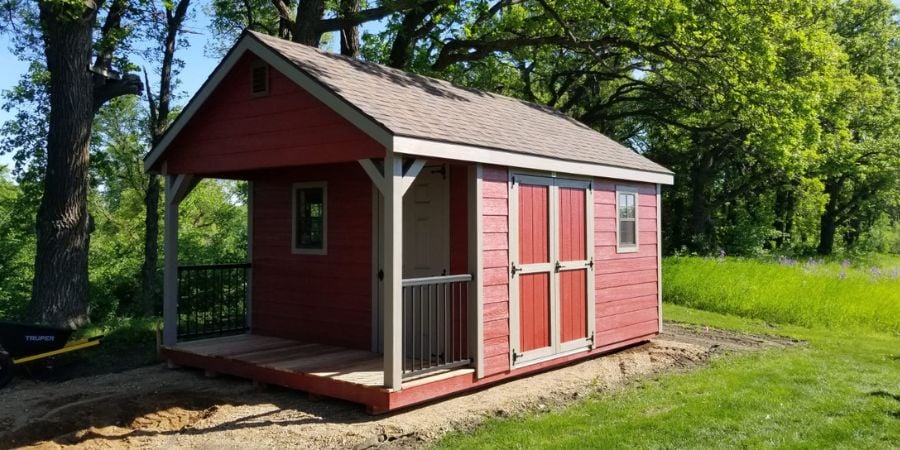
x,y
129,84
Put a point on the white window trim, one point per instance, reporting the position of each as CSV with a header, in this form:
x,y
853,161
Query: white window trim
x,y
637,241
309,251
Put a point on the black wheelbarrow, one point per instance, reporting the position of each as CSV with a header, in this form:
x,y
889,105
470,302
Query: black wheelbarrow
x,y
22,343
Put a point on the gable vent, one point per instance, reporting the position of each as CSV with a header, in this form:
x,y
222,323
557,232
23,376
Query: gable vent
x,y
259,84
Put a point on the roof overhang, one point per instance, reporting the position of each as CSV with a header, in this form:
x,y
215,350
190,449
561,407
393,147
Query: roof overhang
x,y
398,144
437,149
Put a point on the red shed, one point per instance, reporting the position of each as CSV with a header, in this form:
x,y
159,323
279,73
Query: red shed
x,y
409,239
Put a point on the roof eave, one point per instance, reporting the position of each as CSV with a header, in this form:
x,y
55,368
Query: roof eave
x,y
417,146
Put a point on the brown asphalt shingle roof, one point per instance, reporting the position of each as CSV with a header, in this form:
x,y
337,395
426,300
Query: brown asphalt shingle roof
x,y
412,105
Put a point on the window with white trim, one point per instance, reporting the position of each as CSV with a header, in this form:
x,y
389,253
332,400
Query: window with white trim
x,y
627,219
310,218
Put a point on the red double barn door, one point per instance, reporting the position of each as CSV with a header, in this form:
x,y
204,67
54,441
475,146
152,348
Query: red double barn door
x,y
551,266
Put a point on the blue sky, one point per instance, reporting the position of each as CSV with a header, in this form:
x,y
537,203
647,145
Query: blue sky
x,y
198,64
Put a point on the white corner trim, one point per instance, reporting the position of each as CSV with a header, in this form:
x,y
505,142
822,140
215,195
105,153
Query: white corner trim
x,y
659,281
476,264
250,43
637,232
309,251
461,152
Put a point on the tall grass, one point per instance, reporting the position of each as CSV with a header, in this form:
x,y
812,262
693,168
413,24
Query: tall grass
x,y
845,294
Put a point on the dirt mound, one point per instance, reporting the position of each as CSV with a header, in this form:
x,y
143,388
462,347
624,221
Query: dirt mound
x,y
76,418
156,407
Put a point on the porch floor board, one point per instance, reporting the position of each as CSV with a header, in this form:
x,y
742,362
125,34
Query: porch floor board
x,y
325,361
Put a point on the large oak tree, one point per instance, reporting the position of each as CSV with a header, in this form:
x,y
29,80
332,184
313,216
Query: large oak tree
x,y
81,81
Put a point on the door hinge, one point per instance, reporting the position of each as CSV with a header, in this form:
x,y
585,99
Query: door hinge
x,y
515,356
513,269
591,338
590,264
557,267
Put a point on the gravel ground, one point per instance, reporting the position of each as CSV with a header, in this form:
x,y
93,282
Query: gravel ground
x,y
156,407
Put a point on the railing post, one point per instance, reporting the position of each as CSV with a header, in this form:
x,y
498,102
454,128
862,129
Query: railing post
x,y
393,271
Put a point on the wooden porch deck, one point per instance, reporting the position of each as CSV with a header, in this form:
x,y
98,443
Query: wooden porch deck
x,y
324,361
326,370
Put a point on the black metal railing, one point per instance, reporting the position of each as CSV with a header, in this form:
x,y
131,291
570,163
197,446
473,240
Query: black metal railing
x,y
212,300
435,323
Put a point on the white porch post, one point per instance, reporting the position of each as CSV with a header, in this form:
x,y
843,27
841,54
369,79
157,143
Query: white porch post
x,y
177,188
393,271
170,269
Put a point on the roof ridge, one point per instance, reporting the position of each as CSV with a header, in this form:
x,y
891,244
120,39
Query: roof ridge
x,y
350,60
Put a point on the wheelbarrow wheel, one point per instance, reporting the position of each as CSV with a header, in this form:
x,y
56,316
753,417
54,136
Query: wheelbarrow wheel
x,y
6,368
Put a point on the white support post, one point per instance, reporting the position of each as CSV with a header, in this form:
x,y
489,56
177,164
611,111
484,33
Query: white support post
x,y
393,271
476,266
170,269
177,188
250,216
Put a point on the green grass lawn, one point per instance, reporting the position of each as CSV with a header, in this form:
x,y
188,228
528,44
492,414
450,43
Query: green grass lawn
x,y
839,294
842,390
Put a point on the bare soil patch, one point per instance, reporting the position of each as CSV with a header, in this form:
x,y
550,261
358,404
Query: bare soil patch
x,y
156,407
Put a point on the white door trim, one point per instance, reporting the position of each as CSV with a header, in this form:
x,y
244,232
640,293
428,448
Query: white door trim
x,y
557,348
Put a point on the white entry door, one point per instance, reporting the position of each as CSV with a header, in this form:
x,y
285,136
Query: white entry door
x,y
426,229
426,236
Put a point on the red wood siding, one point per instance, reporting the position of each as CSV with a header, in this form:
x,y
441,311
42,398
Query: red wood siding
x,y
573,304
534,229
626,283
237,131
315,298
572,236
534,311
495,217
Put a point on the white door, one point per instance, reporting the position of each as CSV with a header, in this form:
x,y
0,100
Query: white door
x,y
426,229
426,236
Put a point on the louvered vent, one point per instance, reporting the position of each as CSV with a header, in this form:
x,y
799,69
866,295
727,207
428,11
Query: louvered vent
x,y
260,79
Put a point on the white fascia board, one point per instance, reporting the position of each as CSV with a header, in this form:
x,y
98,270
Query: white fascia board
x,y
288,69
461,152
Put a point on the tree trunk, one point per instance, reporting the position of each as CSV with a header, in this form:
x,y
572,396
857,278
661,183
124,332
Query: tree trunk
x,y
828,221
149,278
408,34
700,223
60,285
306,28
350,35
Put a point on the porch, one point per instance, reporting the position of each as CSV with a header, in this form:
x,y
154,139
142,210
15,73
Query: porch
x,y
321,370
214,313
